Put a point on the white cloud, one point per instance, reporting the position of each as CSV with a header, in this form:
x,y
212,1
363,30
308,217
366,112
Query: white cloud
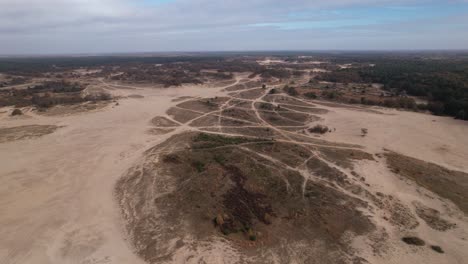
x,y
40,25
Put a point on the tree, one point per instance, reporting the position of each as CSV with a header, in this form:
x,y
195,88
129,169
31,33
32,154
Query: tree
x,y
461,115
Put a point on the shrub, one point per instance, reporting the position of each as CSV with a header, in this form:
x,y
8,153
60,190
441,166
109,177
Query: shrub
x,y
266,106
252,235
199,166
220,159
319,129
331,95
291,91
171,158
437,249
16,112
364,132
413,241
310,95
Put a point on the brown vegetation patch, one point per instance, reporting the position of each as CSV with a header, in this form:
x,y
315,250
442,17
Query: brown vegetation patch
x,y
416,241
344,157
294,129
251,94
182,115
298,117
232,122
25,132
181,98
203,105
357,108
432,217
251,131
318,129
135,96
322,170
286,100
276,119
205,121
437,249
17,112
240,104
161,121
236,87
60,110
396,212
247,115
449,184
217,189
253,84
312,110
290,154
314,141
268,107
160,131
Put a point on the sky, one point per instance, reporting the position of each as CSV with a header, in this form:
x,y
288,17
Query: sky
x,y
118,26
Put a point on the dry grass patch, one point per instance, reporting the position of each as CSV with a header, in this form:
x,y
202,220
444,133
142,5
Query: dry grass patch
x,y
203,105
432,217
312,110
25,132
344,157
250,94
216,189
449,184
161,121
182,115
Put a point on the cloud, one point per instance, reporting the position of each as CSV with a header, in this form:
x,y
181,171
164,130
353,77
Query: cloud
x,y
74,25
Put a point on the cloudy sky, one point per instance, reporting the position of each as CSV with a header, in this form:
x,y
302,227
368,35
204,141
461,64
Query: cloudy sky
x,y
106,26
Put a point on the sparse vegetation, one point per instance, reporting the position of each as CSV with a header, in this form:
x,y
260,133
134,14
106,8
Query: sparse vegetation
x,y
199,166
446,183
364,132
311,95
291,91
49,94
319,129
204,140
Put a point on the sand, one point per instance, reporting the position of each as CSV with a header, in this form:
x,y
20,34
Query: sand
x,y
56,191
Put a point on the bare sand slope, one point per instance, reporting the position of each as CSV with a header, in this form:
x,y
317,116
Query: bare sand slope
x,y
56,191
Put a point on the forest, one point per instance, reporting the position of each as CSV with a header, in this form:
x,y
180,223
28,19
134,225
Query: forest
x,y
444,82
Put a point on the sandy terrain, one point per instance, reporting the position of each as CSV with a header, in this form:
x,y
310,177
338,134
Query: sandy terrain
x,y
57,201
57,190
